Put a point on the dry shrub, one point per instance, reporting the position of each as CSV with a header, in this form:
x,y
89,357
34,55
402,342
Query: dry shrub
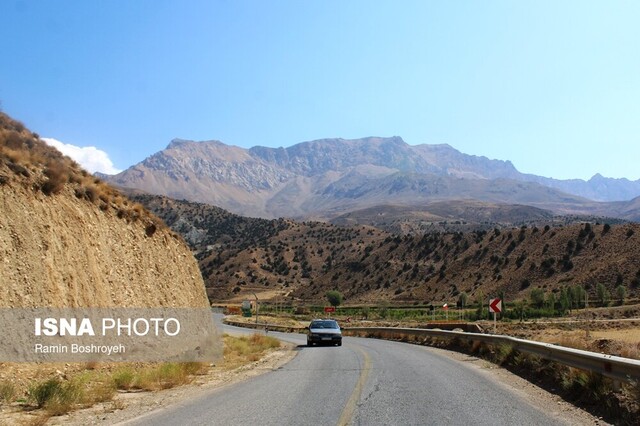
x,y
165,376
239,350
475,346
91,365
137,212
41,393
100,390
630,350
150,230
56,178
75,177
590,388
13,140
19,169
89,193
635,392
196,368
529,362
503,354
57,396
7,392
124,379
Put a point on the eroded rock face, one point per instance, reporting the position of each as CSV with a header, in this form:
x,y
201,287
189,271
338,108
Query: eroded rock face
x,y
68,240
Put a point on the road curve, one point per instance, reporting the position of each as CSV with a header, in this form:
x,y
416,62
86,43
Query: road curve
x,y
364,382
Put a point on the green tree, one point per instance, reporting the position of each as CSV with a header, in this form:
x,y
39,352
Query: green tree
x,y
550,302
462,300
334,297
480,302
621,293
365,312
578,295
603,295
520,309
537,297
565,301
502,297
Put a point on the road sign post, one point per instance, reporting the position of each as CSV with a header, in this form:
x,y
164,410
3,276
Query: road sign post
x,y
495,306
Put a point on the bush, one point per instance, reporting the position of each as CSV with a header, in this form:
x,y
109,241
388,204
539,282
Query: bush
x,y
99,390
89,193
44,392
124,379
334,297
56,178
56,396
7,392
165,376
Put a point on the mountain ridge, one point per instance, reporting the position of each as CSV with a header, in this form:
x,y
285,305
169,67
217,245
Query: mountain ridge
x,y
298,181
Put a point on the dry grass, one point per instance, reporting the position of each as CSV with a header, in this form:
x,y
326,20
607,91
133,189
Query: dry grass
x,y
125,378
242,350
57,396
164,376
153,378
7,392
96,383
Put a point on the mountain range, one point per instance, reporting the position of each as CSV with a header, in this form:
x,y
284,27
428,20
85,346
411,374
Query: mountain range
x,y
326,179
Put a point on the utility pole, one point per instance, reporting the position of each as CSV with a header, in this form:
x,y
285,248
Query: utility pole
x,y
254,295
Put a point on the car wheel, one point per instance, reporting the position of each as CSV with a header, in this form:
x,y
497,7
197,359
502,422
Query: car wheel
x,y
339,343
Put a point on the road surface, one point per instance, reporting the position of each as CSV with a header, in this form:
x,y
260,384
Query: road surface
x,y
364,382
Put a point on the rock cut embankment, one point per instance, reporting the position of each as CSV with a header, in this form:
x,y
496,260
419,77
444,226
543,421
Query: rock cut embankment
x,y
69,240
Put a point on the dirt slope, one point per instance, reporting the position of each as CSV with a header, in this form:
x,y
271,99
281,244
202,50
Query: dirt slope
x,y
69,240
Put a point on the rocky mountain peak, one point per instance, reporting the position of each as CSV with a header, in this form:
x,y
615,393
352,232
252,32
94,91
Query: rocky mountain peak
x,y
313,178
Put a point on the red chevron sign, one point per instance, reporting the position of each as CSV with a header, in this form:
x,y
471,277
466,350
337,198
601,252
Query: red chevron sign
x,y
495,305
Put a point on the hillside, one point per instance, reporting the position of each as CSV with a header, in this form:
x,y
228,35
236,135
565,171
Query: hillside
x,y
69,240
327,178
444,216
299,261
460,216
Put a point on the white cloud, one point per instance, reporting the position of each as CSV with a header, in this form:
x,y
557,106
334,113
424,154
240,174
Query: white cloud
x,y
89,157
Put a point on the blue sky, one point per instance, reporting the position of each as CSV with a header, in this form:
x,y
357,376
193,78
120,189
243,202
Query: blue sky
x,y
553,86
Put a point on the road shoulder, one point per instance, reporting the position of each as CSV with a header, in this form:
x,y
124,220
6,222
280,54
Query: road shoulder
x,y
131,405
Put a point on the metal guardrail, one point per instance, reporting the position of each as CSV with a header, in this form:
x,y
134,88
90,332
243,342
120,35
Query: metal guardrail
x,y
615,367
266,326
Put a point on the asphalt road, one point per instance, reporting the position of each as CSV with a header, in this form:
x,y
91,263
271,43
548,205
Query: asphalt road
x,y
364,382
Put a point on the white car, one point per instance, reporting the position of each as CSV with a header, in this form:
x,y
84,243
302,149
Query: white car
x,y
324,331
